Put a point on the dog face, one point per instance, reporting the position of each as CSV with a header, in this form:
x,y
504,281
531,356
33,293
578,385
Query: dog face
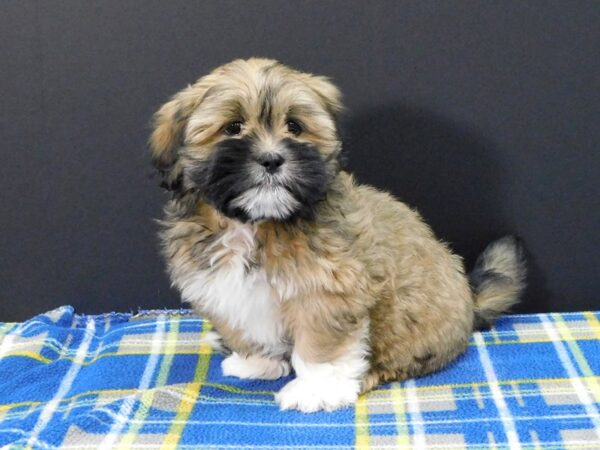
x,y
256,139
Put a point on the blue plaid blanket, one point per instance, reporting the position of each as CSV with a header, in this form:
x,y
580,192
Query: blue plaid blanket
x,y
145,381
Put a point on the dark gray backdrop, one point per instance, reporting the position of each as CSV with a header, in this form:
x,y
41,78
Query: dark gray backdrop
x,y
483,115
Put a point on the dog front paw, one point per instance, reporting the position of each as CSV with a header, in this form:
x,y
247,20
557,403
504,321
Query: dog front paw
x,y
254,367
215,342
310,395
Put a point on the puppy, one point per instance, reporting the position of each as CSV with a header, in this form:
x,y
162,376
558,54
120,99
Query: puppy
x,y
295,264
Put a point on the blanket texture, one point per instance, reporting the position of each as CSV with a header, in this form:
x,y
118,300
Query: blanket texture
x,y
145,381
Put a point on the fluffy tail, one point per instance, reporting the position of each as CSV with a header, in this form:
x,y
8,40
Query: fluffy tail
x,y
497,280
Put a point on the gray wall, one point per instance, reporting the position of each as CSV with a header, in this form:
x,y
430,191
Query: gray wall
x,y
483,115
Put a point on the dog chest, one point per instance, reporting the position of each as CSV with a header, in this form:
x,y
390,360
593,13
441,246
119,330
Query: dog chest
x,y
236,291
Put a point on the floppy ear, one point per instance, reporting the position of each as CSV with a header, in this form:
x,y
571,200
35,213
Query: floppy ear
x,y
169,124
330,95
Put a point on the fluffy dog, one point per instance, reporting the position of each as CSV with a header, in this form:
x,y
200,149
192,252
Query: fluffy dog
x,y
297,265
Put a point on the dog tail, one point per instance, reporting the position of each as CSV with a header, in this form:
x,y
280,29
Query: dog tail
x,y
497,280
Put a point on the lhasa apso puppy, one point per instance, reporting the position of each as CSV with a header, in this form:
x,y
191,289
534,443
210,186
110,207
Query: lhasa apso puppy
x,y
294,263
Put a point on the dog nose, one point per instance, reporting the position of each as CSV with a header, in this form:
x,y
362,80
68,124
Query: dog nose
x,y
270,161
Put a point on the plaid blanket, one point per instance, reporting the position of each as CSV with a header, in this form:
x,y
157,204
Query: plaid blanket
x,y
144,381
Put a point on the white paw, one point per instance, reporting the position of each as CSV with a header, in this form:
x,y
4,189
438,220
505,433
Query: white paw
x,y
256,367
213,340
310,395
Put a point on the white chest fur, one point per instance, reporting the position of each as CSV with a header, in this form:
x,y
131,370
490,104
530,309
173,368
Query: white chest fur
x,y
236,293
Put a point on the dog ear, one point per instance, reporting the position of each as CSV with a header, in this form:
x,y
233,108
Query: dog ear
x,y
329,93
169,124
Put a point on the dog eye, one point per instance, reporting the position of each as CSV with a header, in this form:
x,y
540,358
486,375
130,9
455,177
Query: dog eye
x,y
233,129
293,127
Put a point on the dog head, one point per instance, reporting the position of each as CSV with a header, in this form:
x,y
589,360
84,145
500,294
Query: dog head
x,y
254,138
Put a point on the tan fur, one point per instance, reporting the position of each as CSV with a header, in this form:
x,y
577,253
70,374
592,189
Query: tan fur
x,y
367,260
